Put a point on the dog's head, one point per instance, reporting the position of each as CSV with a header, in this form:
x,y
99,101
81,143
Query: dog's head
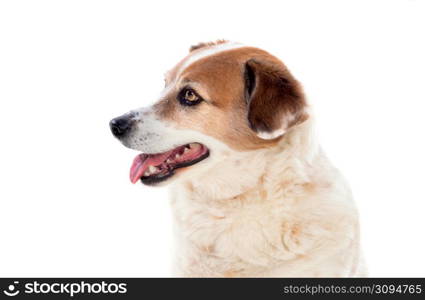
x,y
221,100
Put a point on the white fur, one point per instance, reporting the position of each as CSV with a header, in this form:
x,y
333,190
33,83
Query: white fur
x,y
271,135
226,227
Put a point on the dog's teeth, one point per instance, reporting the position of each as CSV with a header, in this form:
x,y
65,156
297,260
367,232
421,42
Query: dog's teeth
x,y
168,161
177,155
152,169
195,146
186,150
147,173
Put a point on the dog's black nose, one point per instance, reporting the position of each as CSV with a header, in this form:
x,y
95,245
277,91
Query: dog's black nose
x,y
120,126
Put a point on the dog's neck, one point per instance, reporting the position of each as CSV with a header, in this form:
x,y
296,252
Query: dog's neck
x,y
249,172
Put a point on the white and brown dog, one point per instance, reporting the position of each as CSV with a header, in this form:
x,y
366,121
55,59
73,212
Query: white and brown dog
x,y
253,193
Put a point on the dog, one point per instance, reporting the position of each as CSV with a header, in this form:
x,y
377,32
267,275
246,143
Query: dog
x,y
252,192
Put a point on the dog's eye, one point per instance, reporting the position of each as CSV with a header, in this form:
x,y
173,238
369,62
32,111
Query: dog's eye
x,y
189,97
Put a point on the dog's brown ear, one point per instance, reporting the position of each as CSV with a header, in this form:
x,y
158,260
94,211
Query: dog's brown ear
x,y
275,99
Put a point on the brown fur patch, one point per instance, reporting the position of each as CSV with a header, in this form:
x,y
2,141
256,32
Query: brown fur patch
x,y
231,274
223,115
277,100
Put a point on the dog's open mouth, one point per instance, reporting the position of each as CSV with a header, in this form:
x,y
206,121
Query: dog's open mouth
x,y
153,168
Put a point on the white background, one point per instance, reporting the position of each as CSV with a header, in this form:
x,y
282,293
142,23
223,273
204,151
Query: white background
x,y
67,67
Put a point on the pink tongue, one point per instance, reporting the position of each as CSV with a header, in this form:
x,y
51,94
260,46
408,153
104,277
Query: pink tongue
x,y
143,161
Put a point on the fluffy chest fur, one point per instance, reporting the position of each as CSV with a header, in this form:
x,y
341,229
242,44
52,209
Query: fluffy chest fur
x,y
295,218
